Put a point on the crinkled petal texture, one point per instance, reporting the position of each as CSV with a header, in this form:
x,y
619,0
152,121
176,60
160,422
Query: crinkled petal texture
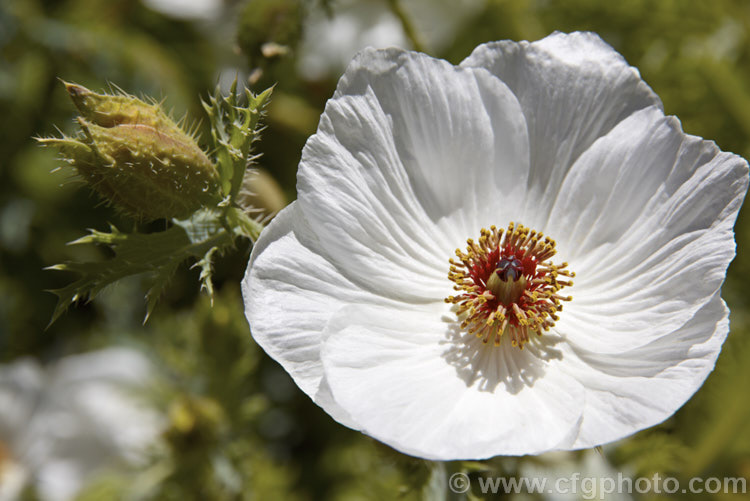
x,y
413,156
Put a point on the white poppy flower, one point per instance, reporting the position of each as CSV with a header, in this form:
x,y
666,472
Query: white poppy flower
x,y
347,287
61,425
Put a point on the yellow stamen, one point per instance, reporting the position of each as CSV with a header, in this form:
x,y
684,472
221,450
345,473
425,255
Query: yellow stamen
x,y
506,284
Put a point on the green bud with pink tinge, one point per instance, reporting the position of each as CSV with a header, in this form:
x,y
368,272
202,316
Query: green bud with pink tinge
x,y
139,159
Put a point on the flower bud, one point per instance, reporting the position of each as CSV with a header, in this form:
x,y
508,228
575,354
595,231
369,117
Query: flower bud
x,y
137,157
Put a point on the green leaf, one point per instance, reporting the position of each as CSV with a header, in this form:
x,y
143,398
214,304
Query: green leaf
x,y
159,283
242,224
156,254
207,269
234,128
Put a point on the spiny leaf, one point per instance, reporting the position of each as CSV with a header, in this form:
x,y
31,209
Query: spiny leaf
x,y
157,254
234,128
159,284
207,270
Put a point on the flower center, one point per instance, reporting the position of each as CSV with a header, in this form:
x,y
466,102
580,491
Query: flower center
x,y
507,285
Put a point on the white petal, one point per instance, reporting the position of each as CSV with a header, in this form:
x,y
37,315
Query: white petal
x,y
412,380
291,290
572,89
645,218
639,388
411,153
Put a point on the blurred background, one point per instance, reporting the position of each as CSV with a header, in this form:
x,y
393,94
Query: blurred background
x,y
217,418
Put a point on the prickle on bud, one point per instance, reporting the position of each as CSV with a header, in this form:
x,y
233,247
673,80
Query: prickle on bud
x,y
139,159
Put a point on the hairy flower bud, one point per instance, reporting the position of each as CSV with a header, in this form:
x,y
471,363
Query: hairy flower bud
x,y
137,157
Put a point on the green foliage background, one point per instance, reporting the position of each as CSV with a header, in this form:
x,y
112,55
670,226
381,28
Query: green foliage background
x,y
239,427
